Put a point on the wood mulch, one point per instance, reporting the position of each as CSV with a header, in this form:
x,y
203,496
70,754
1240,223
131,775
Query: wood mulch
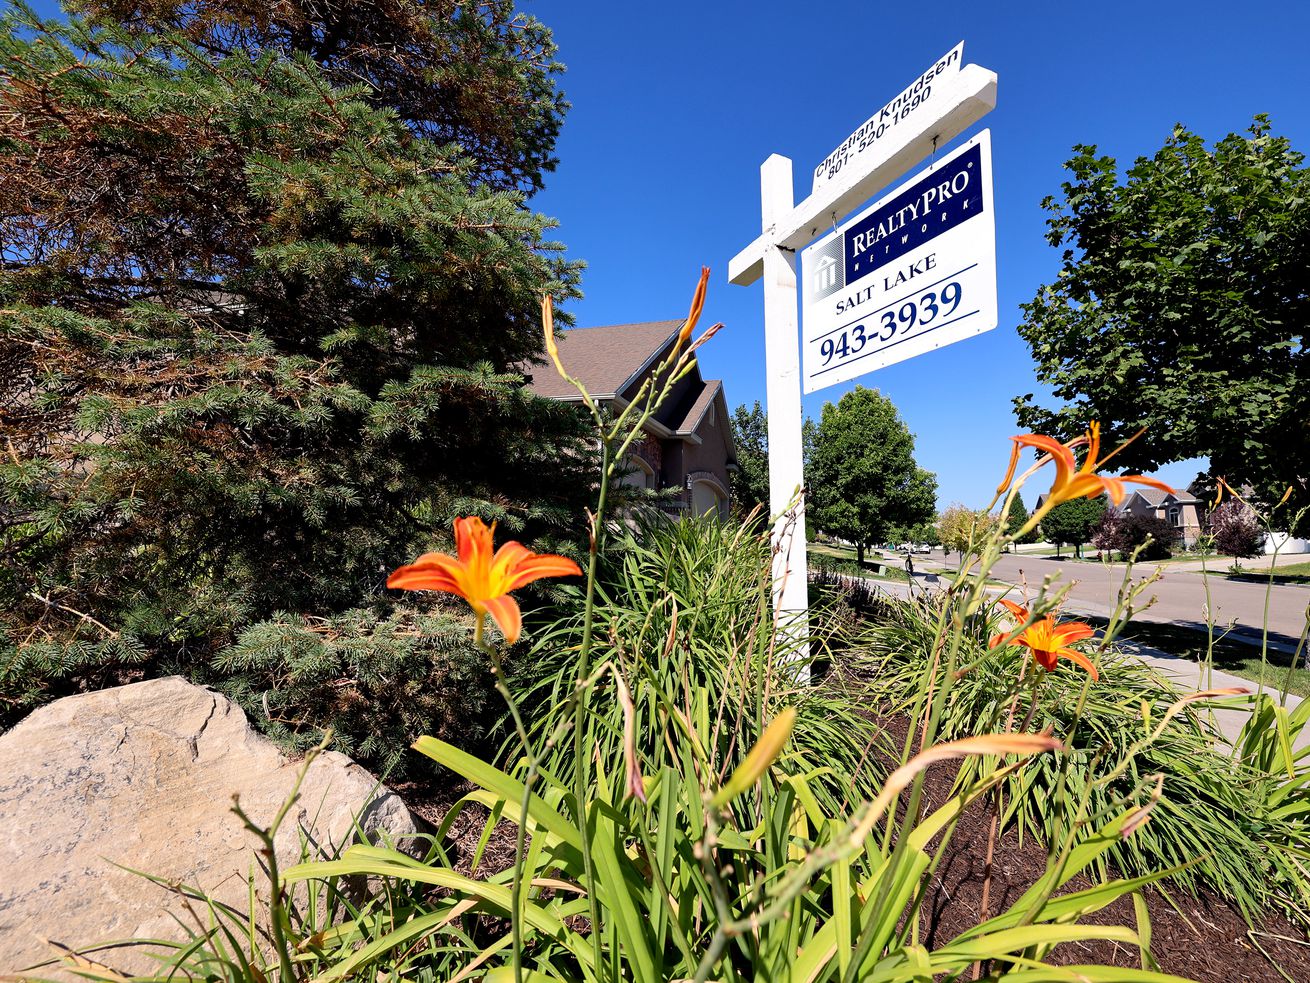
x,y
431,802
1206,939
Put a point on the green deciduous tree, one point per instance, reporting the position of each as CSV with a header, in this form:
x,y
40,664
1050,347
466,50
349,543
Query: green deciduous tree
x,y
1181,306
862,479
959,528
1072,523
750,482
261,313
920,532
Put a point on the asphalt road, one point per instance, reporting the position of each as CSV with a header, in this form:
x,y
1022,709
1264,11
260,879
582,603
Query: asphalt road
x,y
1179,596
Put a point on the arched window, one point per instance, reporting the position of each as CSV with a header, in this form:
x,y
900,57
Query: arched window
x,y
707,499
640,474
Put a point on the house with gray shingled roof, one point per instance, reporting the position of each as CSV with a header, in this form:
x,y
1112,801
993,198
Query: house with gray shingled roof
x,y
687,446
1180,509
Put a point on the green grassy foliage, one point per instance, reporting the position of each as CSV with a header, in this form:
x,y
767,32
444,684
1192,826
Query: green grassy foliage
x,y
1212,816
685,619
1284,573
728,832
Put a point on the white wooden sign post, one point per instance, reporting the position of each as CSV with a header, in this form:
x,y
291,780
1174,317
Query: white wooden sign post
x,y
938,106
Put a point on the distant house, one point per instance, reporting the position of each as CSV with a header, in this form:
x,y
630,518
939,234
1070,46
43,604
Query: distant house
x,y
1180,509
688,445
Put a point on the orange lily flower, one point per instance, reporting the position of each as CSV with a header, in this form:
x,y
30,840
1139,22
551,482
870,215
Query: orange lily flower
x,y
481,578
1072,481
1046,639
697,305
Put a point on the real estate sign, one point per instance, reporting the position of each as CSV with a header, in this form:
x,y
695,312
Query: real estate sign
x,y
913,272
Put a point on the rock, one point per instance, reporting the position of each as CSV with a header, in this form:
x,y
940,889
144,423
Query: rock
x,y
143,776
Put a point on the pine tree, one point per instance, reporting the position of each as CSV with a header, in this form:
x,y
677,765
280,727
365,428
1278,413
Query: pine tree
x,y
1016,517
260,339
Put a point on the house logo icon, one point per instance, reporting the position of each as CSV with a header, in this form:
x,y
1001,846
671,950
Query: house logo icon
x,y
825,274
824,268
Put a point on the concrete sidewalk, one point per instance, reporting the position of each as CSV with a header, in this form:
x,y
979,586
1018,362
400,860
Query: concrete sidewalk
x,y
1189,677
1217,565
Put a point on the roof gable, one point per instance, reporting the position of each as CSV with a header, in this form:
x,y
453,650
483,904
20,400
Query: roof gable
x,y
604,359
1156,498
702,399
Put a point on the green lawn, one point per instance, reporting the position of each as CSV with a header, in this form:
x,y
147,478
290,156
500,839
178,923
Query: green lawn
x,y
1288,573
1213,561
1229,656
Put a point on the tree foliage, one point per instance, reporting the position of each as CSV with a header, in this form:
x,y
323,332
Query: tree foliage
x,y
481,76
862,479
920,532
1181,306
1071,523
260,330
750,435
960,528
1150,537
1236,530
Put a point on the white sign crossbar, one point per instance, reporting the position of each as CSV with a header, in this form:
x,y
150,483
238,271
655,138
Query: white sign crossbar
x,y
967,97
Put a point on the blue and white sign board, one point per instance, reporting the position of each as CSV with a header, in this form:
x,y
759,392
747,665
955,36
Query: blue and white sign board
x,y
914,272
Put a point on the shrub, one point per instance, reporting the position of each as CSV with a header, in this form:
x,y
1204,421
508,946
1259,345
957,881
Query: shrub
x,y
1236,531
1145,537
1105,537
376,683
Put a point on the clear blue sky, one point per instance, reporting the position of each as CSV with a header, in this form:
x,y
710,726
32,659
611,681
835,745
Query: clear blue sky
x,y
675,106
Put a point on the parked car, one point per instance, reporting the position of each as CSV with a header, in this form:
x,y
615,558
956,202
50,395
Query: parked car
x,y
923,548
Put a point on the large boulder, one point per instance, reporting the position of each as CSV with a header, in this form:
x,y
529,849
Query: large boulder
x,y
143,776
